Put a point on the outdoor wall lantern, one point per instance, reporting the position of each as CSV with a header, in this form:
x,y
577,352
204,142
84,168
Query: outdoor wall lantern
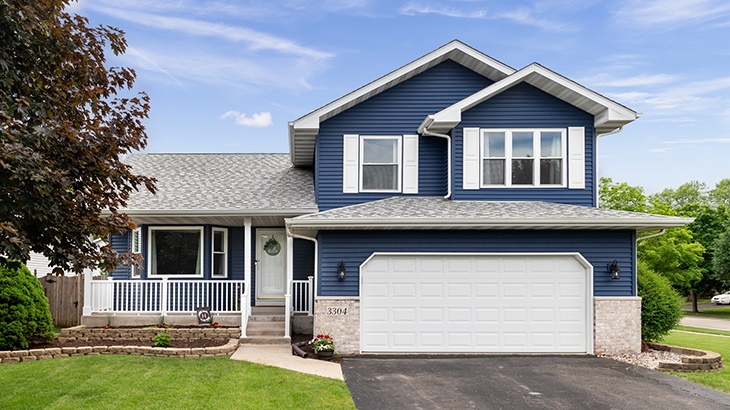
x,y
615,271
341,271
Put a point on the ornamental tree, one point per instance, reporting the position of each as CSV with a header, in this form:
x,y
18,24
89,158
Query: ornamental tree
x,y
64,129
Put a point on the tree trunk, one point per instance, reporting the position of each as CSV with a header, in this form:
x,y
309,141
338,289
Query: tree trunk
x,y
693,295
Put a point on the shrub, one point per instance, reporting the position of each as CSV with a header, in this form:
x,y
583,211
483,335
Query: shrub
x,y
162,339
660,304
24,309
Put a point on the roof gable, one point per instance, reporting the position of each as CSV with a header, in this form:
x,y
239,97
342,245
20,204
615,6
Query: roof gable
x,y
303,131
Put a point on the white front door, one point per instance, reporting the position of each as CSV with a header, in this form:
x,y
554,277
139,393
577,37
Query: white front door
x,y
270,266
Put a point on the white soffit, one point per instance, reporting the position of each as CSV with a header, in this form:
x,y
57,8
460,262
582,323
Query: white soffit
x,y
608,114
303,131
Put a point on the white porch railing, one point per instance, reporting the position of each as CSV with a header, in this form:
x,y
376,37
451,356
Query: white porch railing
x,y
303,296
166,296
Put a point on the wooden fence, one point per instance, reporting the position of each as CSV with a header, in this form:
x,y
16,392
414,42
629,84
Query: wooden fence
x,y
66,296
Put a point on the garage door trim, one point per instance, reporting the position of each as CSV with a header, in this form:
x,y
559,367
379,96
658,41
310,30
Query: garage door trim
x,y
576,255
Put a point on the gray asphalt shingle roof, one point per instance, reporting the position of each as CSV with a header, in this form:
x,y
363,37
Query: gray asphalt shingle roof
x,y
405,211
222,182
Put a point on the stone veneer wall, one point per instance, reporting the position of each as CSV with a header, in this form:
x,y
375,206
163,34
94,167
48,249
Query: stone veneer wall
x,y
617,325
90,334
340,318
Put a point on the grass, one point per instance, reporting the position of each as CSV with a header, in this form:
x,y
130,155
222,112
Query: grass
x,y
139,382
701,330
723,313
719,380
699,302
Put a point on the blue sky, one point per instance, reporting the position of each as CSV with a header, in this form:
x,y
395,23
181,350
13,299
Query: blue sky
x,y
227,76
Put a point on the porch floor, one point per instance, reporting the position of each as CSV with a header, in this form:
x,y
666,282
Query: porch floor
x,y
281,356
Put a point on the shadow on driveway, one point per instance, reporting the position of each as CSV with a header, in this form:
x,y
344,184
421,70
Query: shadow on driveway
x,y
518,382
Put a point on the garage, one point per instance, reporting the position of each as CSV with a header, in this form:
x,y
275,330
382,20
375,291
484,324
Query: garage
x,y
471,303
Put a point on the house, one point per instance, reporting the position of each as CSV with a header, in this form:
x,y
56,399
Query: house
x,y
448,206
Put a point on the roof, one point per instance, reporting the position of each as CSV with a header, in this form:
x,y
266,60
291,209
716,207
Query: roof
x,y
404,212
221,184
303,131
609,115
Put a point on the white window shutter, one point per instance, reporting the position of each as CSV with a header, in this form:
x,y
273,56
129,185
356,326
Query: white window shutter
x,y
471,158
410,164
350,166
576,158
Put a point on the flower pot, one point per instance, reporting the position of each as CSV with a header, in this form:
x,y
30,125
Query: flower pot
x,y
325,354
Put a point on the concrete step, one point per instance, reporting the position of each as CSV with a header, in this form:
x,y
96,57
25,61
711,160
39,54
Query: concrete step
x,y
268,310
265,340
266,318
265,329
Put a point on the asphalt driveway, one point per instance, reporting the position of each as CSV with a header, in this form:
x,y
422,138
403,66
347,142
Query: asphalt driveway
x,y
518,382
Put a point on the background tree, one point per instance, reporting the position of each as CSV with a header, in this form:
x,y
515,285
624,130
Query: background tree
x,y
693,192
721,257
63,132
621,196
721,194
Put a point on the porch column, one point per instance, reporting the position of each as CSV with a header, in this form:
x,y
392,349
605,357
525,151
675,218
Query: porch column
x,y
289,279
247,263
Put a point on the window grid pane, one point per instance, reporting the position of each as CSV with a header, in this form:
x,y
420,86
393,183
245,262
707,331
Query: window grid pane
x,y
522,145
522,171
551,172
175,252
380,177
551,145
380,151
493,172
494,145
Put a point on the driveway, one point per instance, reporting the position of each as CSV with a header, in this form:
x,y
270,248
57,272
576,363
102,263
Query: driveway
x,y
517,382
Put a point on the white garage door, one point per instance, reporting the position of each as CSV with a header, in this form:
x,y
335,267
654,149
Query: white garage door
x,y
475,303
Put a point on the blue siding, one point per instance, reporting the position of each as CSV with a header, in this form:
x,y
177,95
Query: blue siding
x,y
235,253
524,106
600,248
303,259
121,244
396,111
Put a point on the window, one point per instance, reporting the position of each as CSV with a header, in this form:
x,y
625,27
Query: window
x,y
136,249
521,158
175,251
380,163
220,252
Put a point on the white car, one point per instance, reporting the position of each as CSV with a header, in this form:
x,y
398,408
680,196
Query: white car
x,y
723,299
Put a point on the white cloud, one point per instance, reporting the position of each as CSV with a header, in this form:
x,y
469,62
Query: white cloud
x,y
662,150
412,10
262,119
700,141
255,39
525,16
670,14
522,15
636,81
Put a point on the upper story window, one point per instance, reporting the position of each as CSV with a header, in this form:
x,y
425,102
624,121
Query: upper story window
x,y
520,158
220,252
380,164
175,251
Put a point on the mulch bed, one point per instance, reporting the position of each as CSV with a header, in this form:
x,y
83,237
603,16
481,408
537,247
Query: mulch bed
x,y
121,342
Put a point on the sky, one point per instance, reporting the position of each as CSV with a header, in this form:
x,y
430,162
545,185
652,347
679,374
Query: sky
x,y
228,76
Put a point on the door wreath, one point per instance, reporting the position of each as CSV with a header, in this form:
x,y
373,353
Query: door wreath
x,y
272,247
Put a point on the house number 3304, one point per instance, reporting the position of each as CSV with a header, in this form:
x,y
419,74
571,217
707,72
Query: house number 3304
x,y
336,311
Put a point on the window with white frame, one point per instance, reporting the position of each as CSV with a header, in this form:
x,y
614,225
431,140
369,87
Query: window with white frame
x,y
380,163
175,251
519,158
136,249
220,252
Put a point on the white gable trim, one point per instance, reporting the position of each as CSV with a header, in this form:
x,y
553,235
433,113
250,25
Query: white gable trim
x,y
303,131
608,113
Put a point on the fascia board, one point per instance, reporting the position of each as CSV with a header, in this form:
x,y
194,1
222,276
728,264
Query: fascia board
x,y
204,213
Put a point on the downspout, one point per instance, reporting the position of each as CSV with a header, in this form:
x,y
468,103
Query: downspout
x,y
595,150
316,255
654,235
423,130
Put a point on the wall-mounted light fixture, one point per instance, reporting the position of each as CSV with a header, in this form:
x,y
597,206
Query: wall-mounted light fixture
x,y
341,271
614,270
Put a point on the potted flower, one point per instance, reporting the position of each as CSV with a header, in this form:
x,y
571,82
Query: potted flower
x,y
323,346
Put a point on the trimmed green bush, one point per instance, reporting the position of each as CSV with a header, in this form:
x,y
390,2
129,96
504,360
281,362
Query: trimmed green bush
x,y
661,306
24,309
162,339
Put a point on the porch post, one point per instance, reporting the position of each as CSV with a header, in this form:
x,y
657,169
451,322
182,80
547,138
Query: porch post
x,y
87,293
289,279
246,304
310,296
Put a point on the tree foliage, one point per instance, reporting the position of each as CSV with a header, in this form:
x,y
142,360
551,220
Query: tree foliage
x,y
24,309
674,255
621,196
661,308
721,194
721,257
693,192
63,132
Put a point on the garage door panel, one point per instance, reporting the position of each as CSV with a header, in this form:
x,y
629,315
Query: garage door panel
x,y
474,304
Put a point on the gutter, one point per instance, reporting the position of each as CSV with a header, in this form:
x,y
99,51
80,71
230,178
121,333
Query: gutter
x,y
654,235
423,130
595,150
203,212
316,255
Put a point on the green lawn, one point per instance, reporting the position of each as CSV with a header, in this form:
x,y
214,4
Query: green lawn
x,y
719,380
699,302
701,330
723,312
139,382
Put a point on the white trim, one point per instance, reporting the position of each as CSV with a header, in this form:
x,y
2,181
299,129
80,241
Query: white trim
x,y
337,298
577,157
175,228
589,319
247,263
410,164
619,298
398,156
536,158
350,163
205,212
213,252
470,158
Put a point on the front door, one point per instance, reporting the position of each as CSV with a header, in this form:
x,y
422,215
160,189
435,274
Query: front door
x,y
270,267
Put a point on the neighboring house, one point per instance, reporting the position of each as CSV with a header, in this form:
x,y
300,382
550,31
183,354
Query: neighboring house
x,y
449,206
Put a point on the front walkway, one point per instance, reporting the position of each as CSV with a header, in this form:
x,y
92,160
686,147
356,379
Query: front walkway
x,y
706,322
281,356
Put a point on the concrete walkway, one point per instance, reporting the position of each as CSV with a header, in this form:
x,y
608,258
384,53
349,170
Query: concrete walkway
x,y
280,356
706,322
